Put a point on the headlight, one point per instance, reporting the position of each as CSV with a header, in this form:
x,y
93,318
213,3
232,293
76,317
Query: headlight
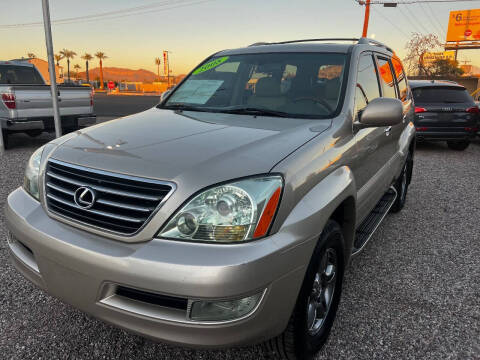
x,y
30,181
233,212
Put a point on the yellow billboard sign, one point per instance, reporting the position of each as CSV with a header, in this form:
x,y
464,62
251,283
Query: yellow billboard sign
x,y
464,25
428,58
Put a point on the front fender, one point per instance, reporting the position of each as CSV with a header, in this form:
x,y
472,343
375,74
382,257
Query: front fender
x,y
311,213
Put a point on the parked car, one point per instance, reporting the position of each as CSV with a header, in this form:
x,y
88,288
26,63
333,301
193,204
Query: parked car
x,y
227,214
26,104
444,111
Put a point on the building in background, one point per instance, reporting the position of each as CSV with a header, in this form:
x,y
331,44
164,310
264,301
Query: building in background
x,y
470,70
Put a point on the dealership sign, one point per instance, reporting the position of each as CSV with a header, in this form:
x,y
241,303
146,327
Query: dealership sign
x,y
427,59
464,25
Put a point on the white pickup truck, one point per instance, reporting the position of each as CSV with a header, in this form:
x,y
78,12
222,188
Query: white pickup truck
x,y
26,102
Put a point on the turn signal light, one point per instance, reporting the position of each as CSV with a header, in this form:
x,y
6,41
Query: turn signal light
x,y
9,101
473,110
268,214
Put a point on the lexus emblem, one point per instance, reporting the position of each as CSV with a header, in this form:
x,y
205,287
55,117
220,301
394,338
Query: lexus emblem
x,y
85,197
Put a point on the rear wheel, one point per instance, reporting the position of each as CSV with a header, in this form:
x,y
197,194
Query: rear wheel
x,y
458,145
5,139
317,302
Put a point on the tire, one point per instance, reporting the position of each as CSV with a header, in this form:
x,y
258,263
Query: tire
x,y
5,139
401,185
303,338
458,145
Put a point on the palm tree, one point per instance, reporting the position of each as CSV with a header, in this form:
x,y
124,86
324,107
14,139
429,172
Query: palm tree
x,y
101,56
68,54
58,57
31,55
87,57
76,67
158,62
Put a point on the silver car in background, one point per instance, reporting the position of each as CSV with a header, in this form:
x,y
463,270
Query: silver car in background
x,y
26,102
227,214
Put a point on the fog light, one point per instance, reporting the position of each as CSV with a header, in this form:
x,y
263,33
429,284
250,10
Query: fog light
x,y
207,310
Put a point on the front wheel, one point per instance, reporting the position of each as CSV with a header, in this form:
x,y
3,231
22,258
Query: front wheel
x,y
317,302
458,145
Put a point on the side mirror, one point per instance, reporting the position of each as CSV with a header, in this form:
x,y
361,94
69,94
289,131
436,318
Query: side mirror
x,y
381,112
164,95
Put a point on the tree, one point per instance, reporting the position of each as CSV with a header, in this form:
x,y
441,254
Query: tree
x,y
87,57
101,56
58,57
417,46
76,67
445,68
32,55
68,54
158,62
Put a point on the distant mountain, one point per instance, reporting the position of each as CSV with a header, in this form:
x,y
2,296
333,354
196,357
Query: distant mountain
x,y
121,74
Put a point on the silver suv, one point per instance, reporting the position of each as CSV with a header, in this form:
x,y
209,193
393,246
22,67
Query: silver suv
x,y
226,214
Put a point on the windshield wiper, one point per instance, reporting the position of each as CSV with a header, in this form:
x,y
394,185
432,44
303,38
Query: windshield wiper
x,y
256,111
183,107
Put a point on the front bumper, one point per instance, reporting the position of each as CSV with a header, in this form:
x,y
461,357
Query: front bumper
x,y
84,270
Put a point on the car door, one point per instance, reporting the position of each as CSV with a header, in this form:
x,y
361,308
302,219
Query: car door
x,y
392,78
368,167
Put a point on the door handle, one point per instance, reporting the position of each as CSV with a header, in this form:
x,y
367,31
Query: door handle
x,y
387,130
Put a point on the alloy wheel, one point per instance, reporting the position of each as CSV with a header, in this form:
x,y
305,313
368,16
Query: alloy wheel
x,y
320,299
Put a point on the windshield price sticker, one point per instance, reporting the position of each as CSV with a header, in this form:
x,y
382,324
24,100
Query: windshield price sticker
x,y
210,65
196,91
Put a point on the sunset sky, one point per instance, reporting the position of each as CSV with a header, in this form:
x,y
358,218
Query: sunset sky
x,y
193,29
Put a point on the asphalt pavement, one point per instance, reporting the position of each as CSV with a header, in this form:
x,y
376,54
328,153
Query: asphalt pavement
x,y
113,106
413,293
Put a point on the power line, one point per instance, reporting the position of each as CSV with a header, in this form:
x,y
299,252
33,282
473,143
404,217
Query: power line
x,y
138,10
436,19
435,29
391,23
415,19
362,2
414,26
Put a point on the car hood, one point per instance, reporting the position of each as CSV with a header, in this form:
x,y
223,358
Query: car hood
x,y
192,148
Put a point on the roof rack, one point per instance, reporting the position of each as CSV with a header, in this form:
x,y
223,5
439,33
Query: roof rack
x,y
304,40
369,41
363,40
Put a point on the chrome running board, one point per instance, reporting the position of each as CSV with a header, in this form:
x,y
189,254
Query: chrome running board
x,y
373,220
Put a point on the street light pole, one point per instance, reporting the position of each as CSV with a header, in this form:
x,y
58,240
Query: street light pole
x,y
51,68
367,17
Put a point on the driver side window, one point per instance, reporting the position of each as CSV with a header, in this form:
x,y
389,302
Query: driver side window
x,y
367,87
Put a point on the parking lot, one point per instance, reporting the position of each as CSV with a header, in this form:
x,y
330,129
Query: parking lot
x,y
413,293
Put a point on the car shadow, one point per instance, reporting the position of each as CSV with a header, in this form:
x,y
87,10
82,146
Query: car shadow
x,y
23,141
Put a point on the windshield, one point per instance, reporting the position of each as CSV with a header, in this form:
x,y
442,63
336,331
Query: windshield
x,y
441,95
13,74
306,85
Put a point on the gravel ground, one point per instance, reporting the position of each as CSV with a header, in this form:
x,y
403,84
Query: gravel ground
x,y
414,292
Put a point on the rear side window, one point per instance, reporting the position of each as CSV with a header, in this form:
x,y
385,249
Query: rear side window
x,y
386,77
401,79
441,95
12,74
367,83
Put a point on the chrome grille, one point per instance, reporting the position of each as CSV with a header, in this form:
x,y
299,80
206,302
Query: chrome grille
x,y
122,204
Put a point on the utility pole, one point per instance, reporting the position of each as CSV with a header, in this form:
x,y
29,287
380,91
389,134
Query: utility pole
x,y
367,17
51,68
168,68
